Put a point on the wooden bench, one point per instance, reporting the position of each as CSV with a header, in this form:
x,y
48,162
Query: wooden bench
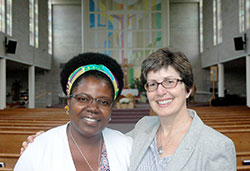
x,y
11,141
9,160
10,144
240,157
16,126
240,137
6,169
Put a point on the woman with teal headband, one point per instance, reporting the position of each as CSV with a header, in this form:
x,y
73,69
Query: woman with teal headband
x,y
92,83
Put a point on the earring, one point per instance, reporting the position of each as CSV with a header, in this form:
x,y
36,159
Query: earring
x,y
109,119
66,109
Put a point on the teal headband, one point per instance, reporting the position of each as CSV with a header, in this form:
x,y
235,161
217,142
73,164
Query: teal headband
x,y
81,70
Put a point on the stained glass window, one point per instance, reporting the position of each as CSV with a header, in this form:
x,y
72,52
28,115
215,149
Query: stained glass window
x,y
217,22
49,27
9,17
2,15
201,25
242,15
36,23
33,23
124,28
247,14
214,22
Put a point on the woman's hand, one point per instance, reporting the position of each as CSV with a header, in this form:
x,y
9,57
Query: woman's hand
x,y
30,139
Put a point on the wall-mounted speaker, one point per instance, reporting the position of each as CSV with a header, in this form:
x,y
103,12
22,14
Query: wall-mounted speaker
x,y
239,43
10,46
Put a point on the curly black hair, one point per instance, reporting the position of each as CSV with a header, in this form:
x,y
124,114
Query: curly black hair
x,y
92,58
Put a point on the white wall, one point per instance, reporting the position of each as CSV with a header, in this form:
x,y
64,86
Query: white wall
x,y
230,28
184,36
225,53
67,41
24,52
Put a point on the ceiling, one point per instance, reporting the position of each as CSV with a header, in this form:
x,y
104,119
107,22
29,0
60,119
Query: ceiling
x,y
15,66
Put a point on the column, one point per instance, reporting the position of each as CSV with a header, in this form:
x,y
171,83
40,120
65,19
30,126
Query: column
x,y
248,80
2,83
221,80
31,87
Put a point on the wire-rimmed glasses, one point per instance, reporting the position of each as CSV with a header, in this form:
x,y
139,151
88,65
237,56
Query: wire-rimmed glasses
x,y
166,83
84,99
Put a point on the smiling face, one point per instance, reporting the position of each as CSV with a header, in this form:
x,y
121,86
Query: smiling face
x,y
166,102
89,120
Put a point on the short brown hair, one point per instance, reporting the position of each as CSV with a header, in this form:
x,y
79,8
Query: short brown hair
x,y
164,57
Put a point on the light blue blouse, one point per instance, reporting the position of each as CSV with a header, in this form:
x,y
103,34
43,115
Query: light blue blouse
x,y
152,160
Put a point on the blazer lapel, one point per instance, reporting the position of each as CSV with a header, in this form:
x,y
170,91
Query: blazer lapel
x,y
141,144
187,146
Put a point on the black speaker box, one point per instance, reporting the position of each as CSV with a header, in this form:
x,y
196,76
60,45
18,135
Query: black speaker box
x,y
239,43
11,46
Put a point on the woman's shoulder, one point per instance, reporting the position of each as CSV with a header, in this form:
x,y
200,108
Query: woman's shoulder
x,y
117,135
214,143
148,119
116,141
213,135
207,133
47,151
56,133
147,122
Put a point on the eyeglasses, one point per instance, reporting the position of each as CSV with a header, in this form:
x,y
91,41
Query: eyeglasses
x,y
167,83
85,100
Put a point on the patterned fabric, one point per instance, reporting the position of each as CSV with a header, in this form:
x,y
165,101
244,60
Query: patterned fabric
x,y
81,70
152,160
104,163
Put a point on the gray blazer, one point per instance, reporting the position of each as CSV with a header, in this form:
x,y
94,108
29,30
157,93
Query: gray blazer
x,y
202,148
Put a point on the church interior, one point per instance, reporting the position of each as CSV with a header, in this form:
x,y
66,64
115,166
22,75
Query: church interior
x,y
34,51
39,37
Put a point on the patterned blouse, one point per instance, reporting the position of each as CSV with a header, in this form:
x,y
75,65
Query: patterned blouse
x,y
104,163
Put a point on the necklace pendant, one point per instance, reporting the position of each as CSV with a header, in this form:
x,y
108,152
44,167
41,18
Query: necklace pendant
x,y
160,150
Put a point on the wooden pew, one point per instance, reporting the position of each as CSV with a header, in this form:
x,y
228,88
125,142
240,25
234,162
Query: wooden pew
x,y
9,160
233,122
118,115
10,147
6,169
11,141
240,157
240,137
